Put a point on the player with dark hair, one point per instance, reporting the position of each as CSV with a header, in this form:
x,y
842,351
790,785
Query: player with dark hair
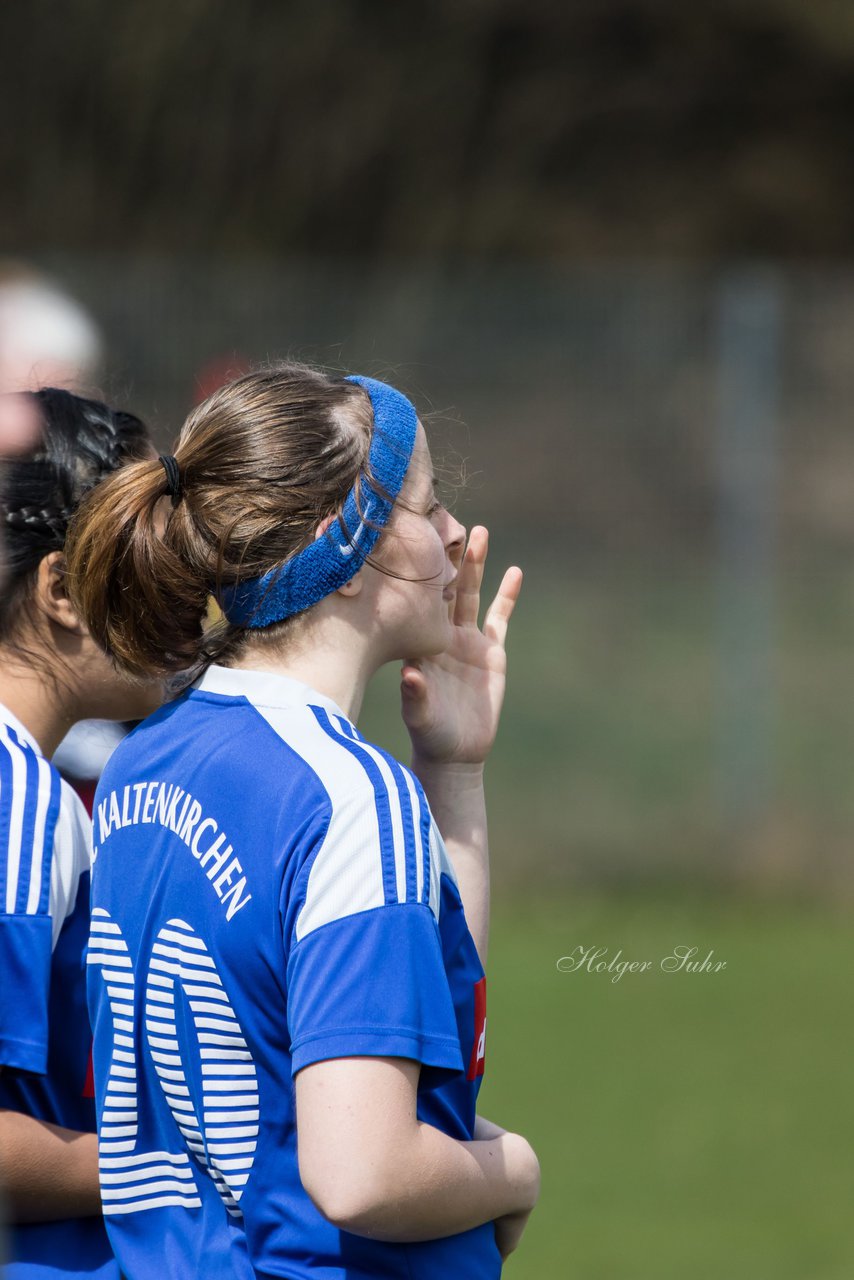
x,y
52,674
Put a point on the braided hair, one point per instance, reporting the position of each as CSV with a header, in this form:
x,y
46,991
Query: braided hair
x,y
82,441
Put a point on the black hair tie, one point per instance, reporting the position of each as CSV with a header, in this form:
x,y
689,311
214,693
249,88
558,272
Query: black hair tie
x,y
173,476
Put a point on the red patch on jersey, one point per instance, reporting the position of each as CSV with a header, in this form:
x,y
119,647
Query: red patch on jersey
x,y
89,1086
478,1050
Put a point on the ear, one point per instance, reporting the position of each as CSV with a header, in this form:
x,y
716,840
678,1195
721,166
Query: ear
x,y
52,596
354,586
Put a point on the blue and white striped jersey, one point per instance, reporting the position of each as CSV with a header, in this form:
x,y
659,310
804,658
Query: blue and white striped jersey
x,y
45,1040
269,890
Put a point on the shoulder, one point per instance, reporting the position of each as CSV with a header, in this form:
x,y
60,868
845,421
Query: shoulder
x,y
30,802
330,752
379,847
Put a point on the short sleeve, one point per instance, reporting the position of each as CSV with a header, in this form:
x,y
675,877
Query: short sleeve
x,y
29,808
366,973
373,984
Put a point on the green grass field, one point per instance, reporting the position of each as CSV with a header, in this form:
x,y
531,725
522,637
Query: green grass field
x,y
687,1124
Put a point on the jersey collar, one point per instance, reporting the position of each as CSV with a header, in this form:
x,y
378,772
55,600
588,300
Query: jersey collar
x,y
263,688
24,734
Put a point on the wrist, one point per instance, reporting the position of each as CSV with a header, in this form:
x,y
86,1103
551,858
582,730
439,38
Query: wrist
x,y
464,772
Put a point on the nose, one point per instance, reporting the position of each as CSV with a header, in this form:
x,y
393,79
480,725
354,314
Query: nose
x,y
455,540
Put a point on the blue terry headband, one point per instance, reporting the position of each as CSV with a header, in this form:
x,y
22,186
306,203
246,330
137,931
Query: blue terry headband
x,y
332,559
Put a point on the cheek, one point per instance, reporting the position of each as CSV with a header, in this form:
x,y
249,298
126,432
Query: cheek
x,y
435,550
418,551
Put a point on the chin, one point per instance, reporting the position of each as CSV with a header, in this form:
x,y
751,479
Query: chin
x,y
417,635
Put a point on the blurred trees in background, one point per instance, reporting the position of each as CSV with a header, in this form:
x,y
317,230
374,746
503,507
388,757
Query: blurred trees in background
x,y
499,127
531,216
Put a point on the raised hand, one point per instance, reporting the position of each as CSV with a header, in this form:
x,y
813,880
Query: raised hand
x,y
451,703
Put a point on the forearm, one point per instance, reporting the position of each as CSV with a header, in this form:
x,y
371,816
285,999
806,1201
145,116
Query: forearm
x,y
441,1186
456,796
47,1172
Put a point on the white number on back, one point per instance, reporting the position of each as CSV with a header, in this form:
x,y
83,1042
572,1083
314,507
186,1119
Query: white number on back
x,y
224,1142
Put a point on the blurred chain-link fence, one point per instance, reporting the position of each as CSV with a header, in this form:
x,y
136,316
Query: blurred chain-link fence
x,y
667,453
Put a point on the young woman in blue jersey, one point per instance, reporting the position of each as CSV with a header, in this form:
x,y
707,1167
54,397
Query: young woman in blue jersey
x,y
289,1009
51,674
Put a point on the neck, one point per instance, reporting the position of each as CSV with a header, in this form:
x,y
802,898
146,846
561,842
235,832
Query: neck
x,y
333,660
45,707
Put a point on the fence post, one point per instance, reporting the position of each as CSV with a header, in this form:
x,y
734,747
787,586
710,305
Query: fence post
x,y
748,339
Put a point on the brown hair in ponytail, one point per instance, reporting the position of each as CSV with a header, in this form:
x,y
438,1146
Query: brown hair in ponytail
x,y
262,461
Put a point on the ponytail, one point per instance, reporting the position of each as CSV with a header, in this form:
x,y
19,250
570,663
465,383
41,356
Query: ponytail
x,y
143,602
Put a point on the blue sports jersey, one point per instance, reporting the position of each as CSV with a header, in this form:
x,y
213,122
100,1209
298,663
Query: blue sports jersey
x,y
45,1040
269,890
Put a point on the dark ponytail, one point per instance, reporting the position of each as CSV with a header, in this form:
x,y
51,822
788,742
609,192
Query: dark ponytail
x,y
81,441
